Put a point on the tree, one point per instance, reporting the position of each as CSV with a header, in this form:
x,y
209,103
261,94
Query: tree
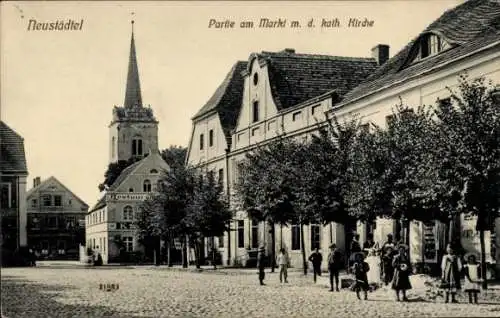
x,y
174,155
264,187
471,123
208,212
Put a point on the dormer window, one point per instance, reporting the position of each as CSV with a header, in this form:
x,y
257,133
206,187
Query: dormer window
x,y
431,44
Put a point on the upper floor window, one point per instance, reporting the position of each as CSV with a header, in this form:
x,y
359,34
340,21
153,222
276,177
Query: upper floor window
x,y
202,141
255,79
211,138
431,44
57,200
153,171
221,177
47,200
137,147
6,196
147,186
128,213
255,111
131,190
34,203
296,116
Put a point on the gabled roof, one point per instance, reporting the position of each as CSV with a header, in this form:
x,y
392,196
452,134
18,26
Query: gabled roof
x,y
468,28
54,179
226,100
12,156
296,78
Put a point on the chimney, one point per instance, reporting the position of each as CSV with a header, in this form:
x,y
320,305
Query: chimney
x,y
36,182
380,53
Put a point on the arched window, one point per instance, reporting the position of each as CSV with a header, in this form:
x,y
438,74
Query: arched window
x,y
153,171
128,213
131,190
146,186
137,147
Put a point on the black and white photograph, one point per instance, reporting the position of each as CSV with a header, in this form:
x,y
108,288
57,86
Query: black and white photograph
x,y
250,158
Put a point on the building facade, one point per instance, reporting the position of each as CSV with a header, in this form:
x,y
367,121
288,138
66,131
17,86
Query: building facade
x,y
13,174
133,133
56,220
287,93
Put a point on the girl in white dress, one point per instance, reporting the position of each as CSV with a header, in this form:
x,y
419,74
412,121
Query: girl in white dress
x,y
373,261
472,277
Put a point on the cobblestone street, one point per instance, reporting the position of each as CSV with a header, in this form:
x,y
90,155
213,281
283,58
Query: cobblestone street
x,y
162,292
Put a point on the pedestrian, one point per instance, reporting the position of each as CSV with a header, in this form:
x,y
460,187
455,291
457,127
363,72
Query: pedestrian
x,y
316,258
334,266
450,268
402,270
387,255
360,269
261,259
283,265
354,248
472,273
374,262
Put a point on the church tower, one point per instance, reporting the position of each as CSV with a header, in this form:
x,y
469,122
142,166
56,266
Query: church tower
x,y
133,129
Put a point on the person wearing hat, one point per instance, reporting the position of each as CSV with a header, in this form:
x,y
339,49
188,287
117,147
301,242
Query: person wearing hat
x,y
261,262
402,270
472,273
451,267
360,270
334,266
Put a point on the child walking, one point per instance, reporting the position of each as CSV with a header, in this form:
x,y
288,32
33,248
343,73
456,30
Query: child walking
x,y
360,269
283,265
472,275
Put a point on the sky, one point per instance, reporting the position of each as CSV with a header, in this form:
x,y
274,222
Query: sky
x,y
58,88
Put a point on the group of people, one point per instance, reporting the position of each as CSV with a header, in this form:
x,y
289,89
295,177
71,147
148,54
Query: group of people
x,y
388,264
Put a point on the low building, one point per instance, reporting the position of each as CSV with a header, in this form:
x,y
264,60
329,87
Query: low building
x,y
13,174
56,220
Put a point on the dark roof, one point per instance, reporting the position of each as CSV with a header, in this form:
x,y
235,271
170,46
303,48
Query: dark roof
x,y
296,78
124,174
13,158
227,99
468,27
133,90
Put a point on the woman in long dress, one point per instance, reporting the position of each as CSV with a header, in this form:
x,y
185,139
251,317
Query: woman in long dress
x,y
451,267
374,262
402,270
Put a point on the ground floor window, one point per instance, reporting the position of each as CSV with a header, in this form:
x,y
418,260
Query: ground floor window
x,y
255,234
241,234
315,236
295,237
128,242
221,241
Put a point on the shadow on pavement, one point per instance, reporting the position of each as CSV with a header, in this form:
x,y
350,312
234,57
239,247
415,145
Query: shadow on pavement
x,y
23,298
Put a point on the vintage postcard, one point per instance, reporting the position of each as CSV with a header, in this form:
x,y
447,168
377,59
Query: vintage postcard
x,y
250,158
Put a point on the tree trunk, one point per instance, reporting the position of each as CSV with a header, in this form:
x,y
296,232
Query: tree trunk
x,y
229,245
303,248
213,253
184,252
273,248
483,259
169,251
197,253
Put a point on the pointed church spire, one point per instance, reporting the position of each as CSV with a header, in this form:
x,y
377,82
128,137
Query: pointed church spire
x,y
133,91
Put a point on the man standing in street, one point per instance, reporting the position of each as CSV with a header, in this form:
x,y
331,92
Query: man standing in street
x,y
283,265
387,255
316,258
334,266
261,260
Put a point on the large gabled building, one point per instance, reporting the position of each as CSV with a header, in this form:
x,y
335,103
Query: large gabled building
x,y
286,92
